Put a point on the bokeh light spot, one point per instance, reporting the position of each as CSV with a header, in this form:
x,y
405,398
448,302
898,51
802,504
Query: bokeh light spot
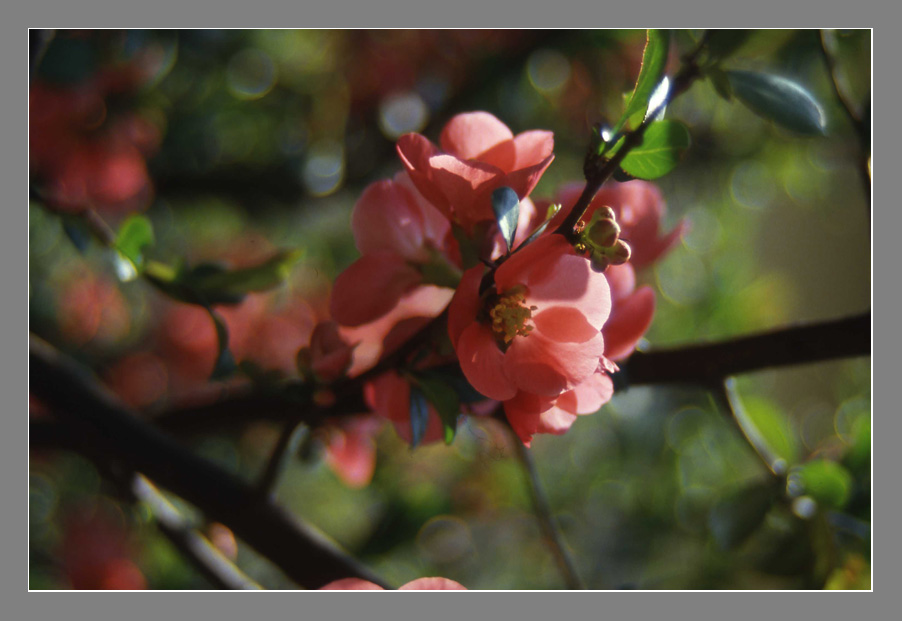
x,y
402,113
250,74
548,70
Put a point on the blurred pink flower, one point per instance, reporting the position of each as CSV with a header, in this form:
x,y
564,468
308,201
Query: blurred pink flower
x,y
478,155
397,233
389,396
420,584
351,451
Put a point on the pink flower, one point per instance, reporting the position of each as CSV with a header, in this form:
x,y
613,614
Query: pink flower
x,y
530,414
631,312
420,584
389,396
533,338
478,155
399,235
639,208
351,451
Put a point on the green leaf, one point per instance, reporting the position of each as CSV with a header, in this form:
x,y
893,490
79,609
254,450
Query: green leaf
x,y
654,61
419,415
445,400
827,482
738,514
768,429
134,234
723,43
506,205
720,82
225,363
779,100
662,145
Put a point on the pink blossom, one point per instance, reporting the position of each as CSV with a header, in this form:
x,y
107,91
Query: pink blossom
x,y
639,208
398,235
478,155
420,584
351,451
631,312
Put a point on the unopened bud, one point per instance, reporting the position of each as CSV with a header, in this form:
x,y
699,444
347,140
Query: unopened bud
x,y
604,213
599,262
604,233
620,253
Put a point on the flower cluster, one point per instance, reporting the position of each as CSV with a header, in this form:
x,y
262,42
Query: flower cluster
x,y
534,323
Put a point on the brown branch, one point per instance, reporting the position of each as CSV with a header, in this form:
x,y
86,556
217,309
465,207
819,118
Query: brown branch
x,y
304,554
710,363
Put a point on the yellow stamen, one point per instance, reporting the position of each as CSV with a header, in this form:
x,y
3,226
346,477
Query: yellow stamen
x,y
509,314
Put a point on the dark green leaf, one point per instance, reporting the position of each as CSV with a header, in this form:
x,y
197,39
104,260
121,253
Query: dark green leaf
x,y
77,232
419,415
225,363
445,400
720,82
662,145
827,482
779,100
654,61
506,205
722,43
134,234
738,514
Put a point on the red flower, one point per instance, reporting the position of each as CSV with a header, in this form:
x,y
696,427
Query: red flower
x,y
478,155
538,327
420,584
399,234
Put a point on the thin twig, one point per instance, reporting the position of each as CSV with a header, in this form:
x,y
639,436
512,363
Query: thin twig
x,y
285,449
727,397
208,560
549,527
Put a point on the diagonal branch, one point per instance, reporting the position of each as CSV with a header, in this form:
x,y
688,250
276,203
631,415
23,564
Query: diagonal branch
x,y
304,554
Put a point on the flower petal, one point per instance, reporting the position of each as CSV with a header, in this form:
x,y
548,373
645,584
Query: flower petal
x,y
433,584
385,218
351,584
564,324
483,363
628,322
470,134
370,288
465,304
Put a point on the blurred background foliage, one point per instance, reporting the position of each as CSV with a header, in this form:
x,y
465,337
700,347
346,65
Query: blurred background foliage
x,y
260,140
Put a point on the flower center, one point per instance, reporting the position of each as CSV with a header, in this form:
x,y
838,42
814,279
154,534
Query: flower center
x,y
508,314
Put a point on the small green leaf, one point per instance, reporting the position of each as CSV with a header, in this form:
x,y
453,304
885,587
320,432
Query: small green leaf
x,y
134,234
225,363
506,205
723,43
654,61
827,482
662,145
445,400
419,415
779,100
766,428
549,215
738,514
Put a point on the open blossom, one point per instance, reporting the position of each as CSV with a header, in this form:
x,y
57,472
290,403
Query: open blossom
x,y
420,584
478,154
399,235
533,338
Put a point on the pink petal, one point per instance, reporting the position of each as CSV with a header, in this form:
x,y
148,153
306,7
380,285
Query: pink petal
x,y
386,219
523,180
629,321
352,456
539,365
622,280
370,288
465,185
465,304
564,324
533,147
555,421
436,227
415,151
470,134
483,363
589,396
433,584
523,413
569,280
351,584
